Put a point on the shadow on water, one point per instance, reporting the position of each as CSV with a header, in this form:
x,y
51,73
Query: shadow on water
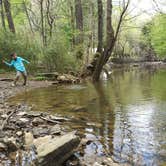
x,y
123,117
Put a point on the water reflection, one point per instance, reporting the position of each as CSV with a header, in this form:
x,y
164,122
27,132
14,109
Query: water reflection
x,y
125,116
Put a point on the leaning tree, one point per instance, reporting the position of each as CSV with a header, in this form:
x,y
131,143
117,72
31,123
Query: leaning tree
x,y
104,51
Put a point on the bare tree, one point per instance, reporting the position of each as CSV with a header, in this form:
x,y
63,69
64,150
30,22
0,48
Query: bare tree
x,y
111,37
27,14
79,20
41,2
100,26
2,15
8,13
158,5
50,17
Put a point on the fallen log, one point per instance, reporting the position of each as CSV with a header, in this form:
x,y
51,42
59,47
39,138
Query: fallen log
x,y
6,79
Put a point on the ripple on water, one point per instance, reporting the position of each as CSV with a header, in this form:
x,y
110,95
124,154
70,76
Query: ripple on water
x,y
124,116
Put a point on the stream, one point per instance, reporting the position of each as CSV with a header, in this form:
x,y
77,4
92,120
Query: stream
x,y
124,117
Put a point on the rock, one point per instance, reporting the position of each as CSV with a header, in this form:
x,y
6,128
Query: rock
x,y
62,78
21,122
37,121
4,116
28,139
42,140
24,120
79,109
37,132
19,133
21,113
3,147
110,162
11,144
98,125
55,82
67,78
85,141
53,152
58,118
74,163
55,130
97,164
33,114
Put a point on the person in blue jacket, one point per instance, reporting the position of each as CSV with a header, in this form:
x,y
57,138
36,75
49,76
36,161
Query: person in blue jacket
x,y
18,63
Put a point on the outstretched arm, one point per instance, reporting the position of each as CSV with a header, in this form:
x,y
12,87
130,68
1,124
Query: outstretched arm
x,y
8,64
24,60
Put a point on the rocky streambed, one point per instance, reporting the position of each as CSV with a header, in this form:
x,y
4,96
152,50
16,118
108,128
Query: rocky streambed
x,y
32,138
35,138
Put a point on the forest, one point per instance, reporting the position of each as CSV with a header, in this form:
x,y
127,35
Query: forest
x,y
89,87
58,35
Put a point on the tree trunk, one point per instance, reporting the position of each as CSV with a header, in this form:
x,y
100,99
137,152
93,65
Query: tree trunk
x,y
27,14
79,21
100,26
79,30
42,22
103,58
2,15
9,15
109,30
72,24
96,66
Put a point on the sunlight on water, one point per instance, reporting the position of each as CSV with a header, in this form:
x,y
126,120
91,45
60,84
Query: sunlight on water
x,y
124,116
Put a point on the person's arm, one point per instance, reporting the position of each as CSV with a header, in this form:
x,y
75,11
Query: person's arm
x,y
24,60
8,64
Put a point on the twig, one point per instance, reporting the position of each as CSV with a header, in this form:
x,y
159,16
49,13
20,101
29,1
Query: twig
x,y
49,120
6,120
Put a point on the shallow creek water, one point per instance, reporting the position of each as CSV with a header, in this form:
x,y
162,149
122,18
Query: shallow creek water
x,y
125,116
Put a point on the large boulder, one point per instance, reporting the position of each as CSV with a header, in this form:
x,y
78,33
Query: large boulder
x,y
55,151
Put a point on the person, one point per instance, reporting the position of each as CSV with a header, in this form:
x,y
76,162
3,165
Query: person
x,y
17,63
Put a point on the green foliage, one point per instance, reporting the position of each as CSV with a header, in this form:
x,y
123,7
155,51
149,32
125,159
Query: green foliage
x,y
158,34
155,34
20,44
40,78
57,56
53,57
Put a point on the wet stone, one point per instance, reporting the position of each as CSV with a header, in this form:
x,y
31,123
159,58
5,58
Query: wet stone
x,y
21,124
37,132
11,144
3,147
86,141
19,133
58,118
55,130
21,114
37,121
28,139
79,109
33,114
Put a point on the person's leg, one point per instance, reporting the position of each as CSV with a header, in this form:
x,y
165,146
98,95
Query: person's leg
x,y
17,78
24,74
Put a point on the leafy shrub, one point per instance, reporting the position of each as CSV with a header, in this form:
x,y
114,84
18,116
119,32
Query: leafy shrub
x,y
21,44
57,57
